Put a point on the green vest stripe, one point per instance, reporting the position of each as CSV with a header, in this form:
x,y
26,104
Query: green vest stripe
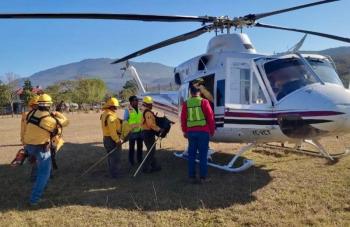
x,y
195,115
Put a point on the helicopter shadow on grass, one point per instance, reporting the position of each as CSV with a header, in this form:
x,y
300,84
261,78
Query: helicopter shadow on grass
x,y
168,189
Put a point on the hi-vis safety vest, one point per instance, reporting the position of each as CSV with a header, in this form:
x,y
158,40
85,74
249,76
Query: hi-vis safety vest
x,y
135,118
195,115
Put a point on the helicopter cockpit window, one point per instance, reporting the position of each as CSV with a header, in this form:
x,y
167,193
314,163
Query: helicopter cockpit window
x,y
325,71
287,75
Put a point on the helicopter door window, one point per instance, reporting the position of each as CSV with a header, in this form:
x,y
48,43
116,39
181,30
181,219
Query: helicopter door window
x,y
258,96
220,93
244,86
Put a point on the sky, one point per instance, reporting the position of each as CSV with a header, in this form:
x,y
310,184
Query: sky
x,y
29,46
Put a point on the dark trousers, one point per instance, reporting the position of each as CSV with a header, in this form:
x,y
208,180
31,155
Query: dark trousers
x,y
113,158
135,137
149,138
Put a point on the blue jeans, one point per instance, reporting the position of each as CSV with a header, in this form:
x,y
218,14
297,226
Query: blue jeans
x,y
43,158
198,141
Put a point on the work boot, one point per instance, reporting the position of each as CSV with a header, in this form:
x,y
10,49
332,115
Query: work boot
x,y
204,180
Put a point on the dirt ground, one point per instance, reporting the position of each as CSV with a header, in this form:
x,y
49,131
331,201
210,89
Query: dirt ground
x,y
281,189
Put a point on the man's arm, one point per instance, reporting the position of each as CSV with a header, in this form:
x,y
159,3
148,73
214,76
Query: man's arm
x,y
209,116
184,118
113,125
126,115
63,120
151,121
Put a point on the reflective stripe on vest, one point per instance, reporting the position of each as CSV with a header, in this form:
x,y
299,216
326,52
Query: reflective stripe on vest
x,y
135,118
195,115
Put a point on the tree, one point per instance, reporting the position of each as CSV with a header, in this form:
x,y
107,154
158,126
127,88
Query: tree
x,y
89,91
129,89
3,91
12,84
27,93
62,91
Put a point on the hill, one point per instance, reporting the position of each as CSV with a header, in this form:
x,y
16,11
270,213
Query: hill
x,y
151,73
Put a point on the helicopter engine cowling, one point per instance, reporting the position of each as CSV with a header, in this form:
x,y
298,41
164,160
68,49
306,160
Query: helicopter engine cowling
x,y
236,42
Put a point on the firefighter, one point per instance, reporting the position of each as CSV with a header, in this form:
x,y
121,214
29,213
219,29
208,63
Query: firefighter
x,y
197,123
33,105
149,130
111,128
199,84
41,127
134,117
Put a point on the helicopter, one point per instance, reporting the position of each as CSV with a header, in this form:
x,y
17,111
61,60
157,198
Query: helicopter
x,y
258,98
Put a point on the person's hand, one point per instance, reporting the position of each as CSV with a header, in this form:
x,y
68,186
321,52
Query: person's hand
x,y
196,85
161,131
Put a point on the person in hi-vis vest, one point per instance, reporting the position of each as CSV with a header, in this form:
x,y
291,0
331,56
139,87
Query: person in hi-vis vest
x,y
134,117
197,123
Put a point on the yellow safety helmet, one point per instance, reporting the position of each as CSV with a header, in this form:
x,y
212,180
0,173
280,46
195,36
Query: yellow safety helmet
x,y
33,101
148,100
44,100
112,102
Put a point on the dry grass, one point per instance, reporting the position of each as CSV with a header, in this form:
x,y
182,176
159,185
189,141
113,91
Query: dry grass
x,y
282,189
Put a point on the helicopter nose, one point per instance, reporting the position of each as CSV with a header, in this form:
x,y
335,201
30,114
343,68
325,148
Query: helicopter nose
x,y
343,121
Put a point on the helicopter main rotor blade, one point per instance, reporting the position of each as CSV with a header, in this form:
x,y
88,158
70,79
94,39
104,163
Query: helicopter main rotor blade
x,y
258,16
339,38
167,42
106,16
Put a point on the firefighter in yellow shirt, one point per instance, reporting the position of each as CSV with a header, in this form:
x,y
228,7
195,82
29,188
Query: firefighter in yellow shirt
x,y
149,130
111,129
199,84
41,127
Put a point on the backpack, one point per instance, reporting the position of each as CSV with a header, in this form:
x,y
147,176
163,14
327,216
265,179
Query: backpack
x,y
162,122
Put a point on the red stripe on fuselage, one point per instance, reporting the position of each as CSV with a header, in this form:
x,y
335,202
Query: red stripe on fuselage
x,y
275,115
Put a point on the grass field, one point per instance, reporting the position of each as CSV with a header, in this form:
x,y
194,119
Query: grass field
x,y
281,189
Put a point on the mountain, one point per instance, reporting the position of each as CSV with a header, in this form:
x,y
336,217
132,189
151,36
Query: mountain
x,y
151,73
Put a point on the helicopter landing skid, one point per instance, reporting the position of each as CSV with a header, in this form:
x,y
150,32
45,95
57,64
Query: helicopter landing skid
x,y
230,167
321,151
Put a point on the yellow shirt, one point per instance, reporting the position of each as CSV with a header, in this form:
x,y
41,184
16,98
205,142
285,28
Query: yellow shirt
x,y
35,135
149,122
206,94
111,126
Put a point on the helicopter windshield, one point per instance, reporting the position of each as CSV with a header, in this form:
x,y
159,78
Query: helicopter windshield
x,y
287,75
325,71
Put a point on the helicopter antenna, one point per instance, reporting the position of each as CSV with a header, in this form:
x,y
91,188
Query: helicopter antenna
x,y
297,46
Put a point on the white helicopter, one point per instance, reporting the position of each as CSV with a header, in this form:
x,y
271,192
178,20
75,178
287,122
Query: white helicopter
x,y
289,97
